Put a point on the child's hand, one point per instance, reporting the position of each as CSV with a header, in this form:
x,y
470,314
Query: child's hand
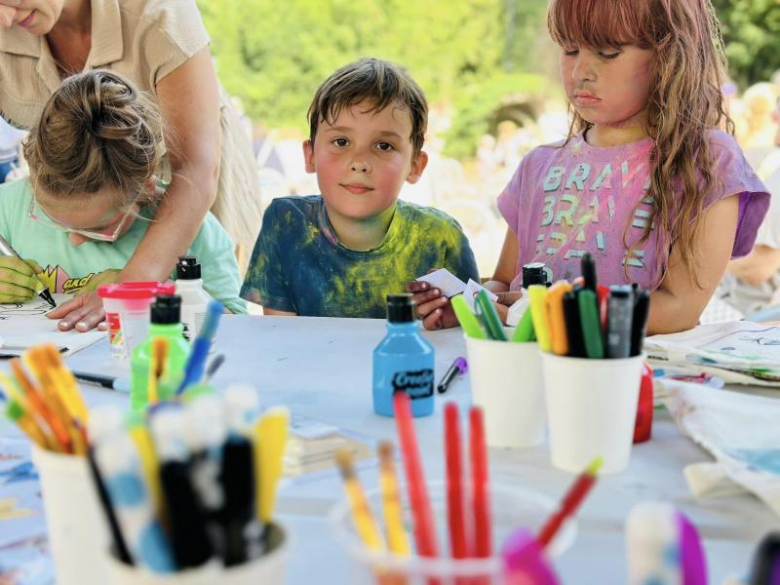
x,y
84,312
17,279
434,309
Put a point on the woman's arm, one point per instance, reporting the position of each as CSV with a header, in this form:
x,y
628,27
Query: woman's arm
x,y
189,108
760,265
506,269
679,301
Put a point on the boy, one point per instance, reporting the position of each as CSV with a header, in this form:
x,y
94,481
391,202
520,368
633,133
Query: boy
x,y
340,253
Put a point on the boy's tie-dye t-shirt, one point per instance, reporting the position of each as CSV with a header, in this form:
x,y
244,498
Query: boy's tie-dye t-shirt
x,y
298,265
566,199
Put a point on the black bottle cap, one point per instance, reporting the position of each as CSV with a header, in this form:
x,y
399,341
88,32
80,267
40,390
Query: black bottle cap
x,y
534,273
187,268
400,308
166,309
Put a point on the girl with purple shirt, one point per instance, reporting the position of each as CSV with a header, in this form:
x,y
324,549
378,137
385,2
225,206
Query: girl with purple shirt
x,y
645,182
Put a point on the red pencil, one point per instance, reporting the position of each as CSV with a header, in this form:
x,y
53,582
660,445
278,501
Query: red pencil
x,y
479,484
458,542
571,501
424,528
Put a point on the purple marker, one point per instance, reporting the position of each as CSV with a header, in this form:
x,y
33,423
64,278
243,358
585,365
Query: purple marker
x,y
459,366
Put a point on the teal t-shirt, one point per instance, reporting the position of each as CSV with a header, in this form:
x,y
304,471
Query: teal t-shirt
x,y
298,264
68,268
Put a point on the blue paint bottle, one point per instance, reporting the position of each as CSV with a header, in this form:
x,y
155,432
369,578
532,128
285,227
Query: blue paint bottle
x,y
403,361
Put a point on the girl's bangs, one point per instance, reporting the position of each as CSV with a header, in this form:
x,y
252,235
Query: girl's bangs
x,y
598,23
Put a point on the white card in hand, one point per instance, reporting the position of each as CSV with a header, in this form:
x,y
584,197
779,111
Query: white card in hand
x,y
449,284
472,288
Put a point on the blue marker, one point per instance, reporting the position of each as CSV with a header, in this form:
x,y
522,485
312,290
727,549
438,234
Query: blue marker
x,y
193,371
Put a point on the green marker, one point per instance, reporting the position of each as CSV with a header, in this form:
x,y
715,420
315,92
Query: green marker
x,y
468,320
525,328
589,320
490,317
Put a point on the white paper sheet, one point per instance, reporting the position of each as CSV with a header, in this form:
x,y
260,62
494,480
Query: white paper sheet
x,y
449,284
23,325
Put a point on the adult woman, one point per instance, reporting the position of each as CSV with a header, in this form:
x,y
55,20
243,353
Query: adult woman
x,y
162,46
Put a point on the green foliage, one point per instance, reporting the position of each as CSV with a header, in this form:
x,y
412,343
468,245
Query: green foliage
x,y
751,30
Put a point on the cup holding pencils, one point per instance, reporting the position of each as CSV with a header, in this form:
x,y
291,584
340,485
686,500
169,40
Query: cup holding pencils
x,y
591,338
506,374
457,525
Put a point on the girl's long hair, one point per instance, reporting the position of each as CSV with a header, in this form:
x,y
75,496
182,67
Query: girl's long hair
x,y
685,100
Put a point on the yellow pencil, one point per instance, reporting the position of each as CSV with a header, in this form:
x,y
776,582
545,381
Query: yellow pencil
x,y
150,464
270,438
15,411
397,540
366,526
67,384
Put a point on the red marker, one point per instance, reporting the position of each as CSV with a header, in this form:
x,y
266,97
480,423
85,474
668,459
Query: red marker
x,y
479,483
424,528
571,501
455,505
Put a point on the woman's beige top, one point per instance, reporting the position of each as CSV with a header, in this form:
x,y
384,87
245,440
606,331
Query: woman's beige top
x,y
144,40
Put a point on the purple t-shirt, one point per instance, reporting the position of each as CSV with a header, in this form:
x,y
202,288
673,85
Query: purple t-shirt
x,y
564,200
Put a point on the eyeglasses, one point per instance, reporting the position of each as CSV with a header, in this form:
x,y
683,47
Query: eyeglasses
x,y
37,213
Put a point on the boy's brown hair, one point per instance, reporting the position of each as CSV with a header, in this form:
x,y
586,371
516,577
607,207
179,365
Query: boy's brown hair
x,y
380,82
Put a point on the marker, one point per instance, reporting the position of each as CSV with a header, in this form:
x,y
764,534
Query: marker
x,y
489,316
559,339
589,320
620,316
157,367
459,366
459,544
118,384
639,324
540,315
571,314
571,501
480,496
424,526
589,271
42,290
468,320
270,437
213,366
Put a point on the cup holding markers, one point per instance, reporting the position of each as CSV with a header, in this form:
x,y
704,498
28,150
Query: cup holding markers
x,y
591,338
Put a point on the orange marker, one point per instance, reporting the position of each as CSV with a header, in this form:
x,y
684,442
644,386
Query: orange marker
x,y
558,337
156,367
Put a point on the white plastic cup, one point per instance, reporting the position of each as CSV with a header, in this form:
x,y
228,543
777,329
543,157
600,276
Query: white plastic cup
x,y
74,519
511,508
506,381
591,410
267,568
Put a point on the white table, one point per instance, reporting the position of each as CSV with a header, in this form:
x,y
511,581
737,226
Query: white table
x,y
322,368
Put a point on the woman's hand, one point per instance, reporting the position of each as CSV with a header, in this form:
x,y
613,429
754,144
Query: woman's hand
x,y
17,279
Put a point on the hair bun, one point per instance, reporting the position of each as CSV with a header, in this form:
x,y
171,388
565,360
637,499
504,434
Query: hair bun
x,y
108,115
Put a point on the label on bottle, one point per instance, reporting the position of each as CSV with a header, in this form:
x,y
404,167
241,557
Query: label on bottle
x,y
417,384
116,337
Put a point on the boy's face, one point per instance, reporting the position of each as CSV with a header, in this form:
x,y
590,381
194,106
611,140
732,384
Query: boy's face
x,y
363,159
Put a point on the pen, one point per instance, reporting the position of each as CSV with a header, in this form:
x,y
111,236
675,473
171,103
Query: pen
x,y
540,315
193,370
7,250
620,315
559,339
455,501
459,366
571,501
639,324
479,484
424,527
589,320
391,501
468,320
490,318
118,384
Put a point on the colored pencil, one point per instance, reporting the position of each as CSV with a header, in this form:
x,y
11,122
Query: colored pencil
x,y
455,504
365,524
397,540
479,484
